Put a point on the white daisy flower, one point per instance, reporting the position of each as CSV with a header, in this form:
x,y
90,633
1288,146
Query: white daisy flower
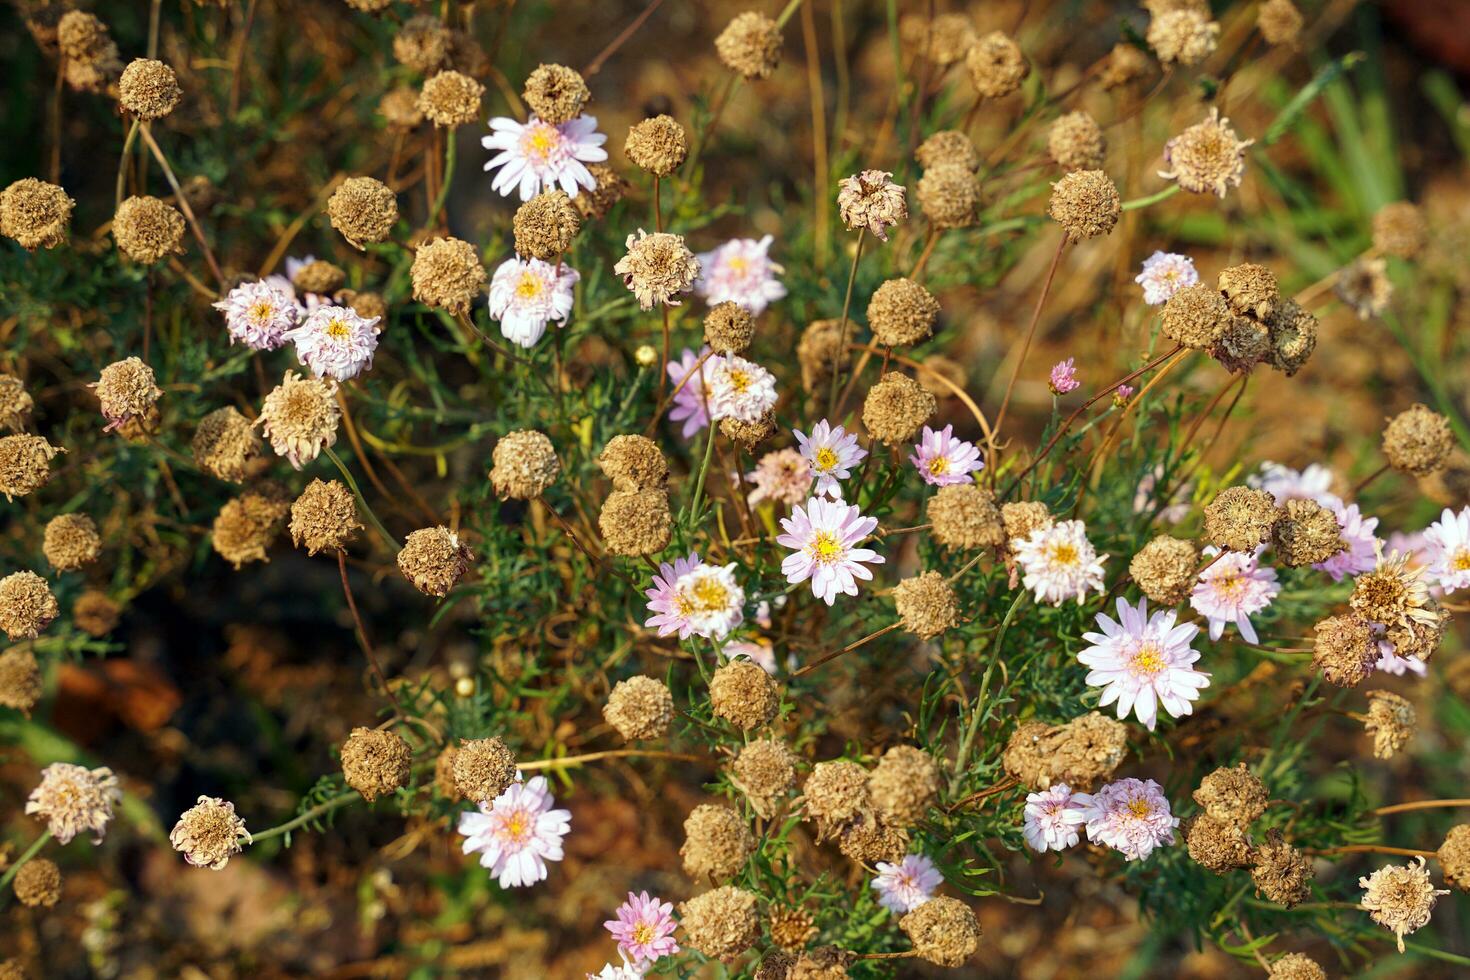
x,y
518,833
738,389
741,272
1448,541
825,534
832,452
1060,563
1143,661
1052,821
536,156
527,294
335,342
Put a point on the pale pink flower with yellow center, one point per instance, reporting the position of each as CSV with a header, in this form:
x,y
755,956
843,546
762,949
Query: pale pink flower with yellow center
x,y
536,156
1164,274
710,601
1053,820
1234,587
826,535
671,611
335,342
740,272
739,389
1314,482
1447,548
258,314
644,929
527,294
518,833
782,476
831,452
1131,816
904,886
942,460
1142,662
1059,563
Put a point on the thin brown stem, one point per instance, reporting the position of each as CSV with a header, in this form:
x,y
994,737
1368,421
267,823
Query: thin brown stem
x,y
577,760
1005,402
857,254
1363,483
827,657
595,65
362,638
1008,782
663,374
1368,849
1418,805
173,182
930,241
242,45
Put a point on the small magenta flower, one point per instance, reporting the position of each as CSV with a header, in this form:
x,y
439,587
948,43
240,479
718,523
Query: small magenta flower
x,y
905,886
1164,274
942,460
1052,821
825,535
832,452
1064,377
644,929
1121,395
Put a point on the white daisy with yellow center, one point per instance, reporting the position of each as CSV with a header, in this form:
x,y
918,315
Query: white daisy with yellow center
x,y
527,294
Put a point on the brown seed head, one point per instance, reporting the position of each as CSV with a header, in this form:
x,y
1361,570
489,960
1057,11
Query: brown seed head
x,y
903,785
1081,753
1345,650
634,463
1076,142
635,522
224,444
1295,966
640,708
300,417
872,202
376,763
1307,533
209,833
1400,898
1242,345
148,89
717,843
1022,518
447,272
363,209
948,148
944,39
1417,441
1240,518
20,680
15,404
1184,37
1217,845
422,44
1281,872
1208,157
835,794
525,464
790,929
926,604
1251,290
609,190
1196,316
870,839
148,230
902,313
1400,229
26,605
750,45
1126,65
545,225
25,464
246,525
964,516
1454,857
1086,204
1293,337
657,267
657,146
38,883
1232,795
400,107
324,517
765,771
949,196
822,350
483,769
451,99
1391,721
1165,569
750,434
1280,23
729,328
434,559
722,923
943,930
997,66
319,276
556,93
896,408
743,694
95,614
71,541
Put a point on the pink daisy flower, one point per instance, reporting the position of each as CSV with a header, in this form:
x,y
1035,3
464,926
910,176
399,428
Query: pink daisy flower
x,y
711,601
741,272
1131,816
1361,544
1284,483
258,314
644,929
941,459
904,886
1231,590
1064,377
671,611
1144,661
825,535
335,342
1164,274
617,971
518,833
1447,548
1053,820
739,389
782,476
690,404
527,294
831,452
536,156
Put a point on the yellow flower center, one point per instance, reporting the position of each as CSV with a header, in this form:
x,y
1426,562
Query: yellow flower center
x,y
529,286
337,329
643,933
738,264
539,141
711,594
739,380
826,459
1461,562
261,311
517,826
939,465
825,548
1138,808
1064,553
1148,659
1230,586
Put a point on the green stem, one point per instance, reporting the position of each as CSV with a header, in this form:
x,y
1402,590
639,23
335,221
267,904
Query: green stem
x,y
709,451
30,852
361,500
320,810
1143,202
122,163
842,330
791,9
449,144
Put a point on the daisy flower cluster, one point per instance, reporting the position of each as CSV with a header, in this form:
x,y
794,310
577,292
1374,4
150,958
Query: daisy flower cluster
x,y
690,598
1131,816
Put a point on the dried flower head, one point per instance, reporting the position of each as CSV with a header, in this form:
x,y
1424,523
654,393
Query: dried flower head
x,y
1184,37
71,541
902,312
657,267
447,272
25,464
896,408
363,209
1345,650
634,463
765,771
300,417
1293,337
750,434
997,66
376,763
434,559
1307,533
72,799
1280,23
1391,721
1207,158
1400,229
209,833
743,694
1400,899
1076,142
225,443
1240,518
20,680
722,923
790,929
95,613
635,522
750,45
717,843
1126,64
556,93
525,464
1081,753
1086,204
870,201
400,107
27,606
1417,441
245,526
943,930
148,89
657,146
944,39
148,230
1251,290
1393,593
835,794
451,99
903,785
483,769
36,213
640,708
15,404
609,188
90,58
1217,845
1295,966
1281,872
1021,517
1363,284
1196,316
1233,795
926,604
869,839
38,883
948,148
1242,344
324,517
728,328
822,352
422,44
545,225
1165,569
318,276
964,516
126,390
368,305
949,196
1454,857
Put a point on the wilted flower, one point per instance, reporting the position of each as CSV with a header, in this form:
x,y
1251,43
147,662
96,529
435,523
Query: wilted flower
x,y
740,271
1400,899
869,200
825,535
739,389
209,833
526,294
259,313
941,459
518,833
300,418
904,886
783,476
536,156
73,799
1144,661
657,268
1207,157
